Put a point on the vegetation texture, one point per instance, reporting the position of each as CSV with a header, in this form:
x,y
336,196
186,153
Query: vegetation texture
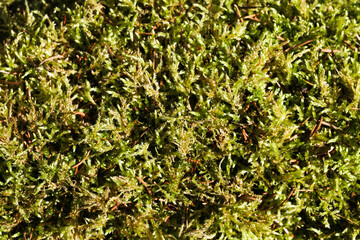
x,y
175,119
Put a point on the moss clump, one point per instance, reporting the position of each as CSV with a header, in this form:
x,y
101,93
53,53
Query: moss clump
x,y
179,120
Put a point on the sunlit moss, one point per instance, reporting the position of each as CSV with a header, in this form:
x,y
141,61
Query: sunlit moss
x,y
179,120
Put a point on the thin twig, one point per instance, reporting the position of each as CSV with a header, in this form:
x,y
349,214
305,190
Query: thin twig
x,y
244,134
316,127
281,38
32,230
10,83
143,33
144,183
304,121
288,197
357,36
329,50
349,220
319,126
312,131
109,49
300,45
115,207
87,154
311,84
238,13
304,43
284,43
140,136
330,125
79,113
303,190
253,17
293,137
349,44
106,17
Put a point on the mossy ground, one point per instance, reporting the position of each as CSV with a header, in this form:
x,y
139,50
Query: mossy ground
x,y
179,119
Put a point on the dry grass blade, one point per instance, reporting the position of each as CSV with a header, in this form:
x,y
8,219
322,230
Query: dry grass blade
x,y
51,58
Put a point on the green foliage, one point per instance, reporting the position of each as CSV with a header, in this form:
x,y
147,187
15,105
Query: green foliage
x,y
179,120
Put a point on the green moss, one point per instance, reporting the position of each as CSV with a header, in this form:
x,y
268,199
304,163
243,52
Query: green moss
x,y
179,120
